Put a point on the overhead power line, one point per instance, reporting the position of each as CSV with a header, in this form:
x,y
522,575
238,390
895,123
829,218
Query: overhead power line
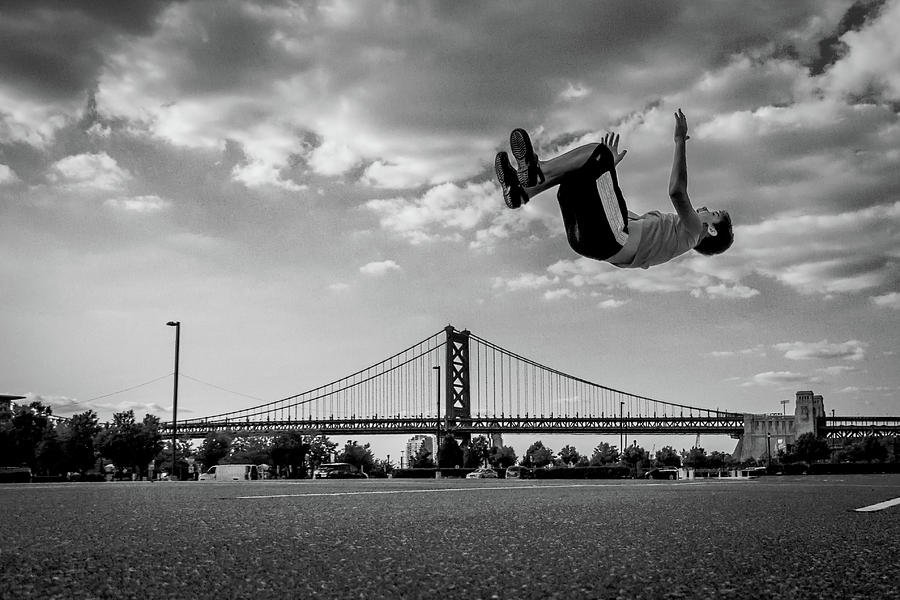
x,y
128,389
212,385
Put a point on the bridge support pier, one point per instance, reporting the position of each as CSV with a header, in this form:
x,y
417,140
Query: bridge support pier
x,y
765,435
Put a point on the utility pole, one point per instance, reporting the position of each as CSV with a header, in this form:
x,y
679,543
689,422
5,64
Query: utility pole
x,y
437,431
177,326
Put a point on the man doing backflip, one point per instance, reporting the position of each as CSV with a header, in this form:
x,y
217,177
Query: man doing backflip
x,y
597,221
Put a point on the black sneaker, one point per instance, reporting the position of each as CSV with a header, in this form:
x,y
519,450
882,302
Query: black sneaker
x,y
513,194
529,171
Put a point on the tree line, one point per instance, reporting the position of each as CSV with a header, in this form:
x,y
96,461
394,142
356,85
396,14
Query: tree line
x,y
30,436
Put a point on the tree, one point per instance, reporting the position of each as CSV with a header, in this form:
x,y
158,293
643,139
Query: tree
x,y
503,457
667,456
569,455
77,438
634,456
320,449
359,456
538,455
868,449
695,457
256,450
24,428
385,467
717,460
130,444
184,449
810,448
422,459
215,447
289,452
605,454
49,455
450,454
477,452
149,441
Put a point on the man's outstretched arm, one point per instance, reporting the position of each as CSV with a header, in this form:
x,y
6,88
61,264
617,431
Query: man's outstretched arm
x,y
678,179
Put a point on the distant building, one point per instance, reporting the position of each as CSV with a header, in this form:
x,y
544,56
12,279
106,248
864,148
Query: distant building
x,y
416,443
765,435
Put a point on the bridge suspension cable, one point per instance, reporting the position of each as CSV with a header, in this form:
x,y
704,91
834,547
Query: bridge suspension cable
x,y
399,386
505,383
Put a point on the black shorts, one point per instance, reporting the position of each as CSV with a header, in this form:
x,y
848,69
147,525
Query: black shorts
x,y
593,209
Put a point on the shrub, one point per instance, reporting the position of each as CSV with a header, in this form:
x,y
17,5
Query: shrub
x,y
601,472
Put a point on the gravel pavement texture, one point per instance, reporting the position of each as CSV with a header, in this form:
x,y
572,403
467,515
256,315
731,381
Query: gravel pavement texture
x,y
777,537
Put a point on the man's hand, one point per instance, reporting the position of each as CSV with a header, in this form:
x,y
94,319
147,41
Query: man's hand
x,y
611,141
681,133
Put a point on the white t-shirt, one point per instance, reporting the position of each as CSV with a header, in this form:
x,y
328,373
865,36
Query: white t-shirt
x,y
663,237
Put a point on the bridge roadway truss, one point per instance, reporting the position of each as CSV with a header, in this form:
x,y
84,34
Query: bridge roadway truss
x,y
723,425
842,428
484,386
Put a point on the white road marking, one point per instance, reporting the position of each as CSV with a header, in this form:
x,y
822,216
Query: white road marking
x,y
439,490
880,505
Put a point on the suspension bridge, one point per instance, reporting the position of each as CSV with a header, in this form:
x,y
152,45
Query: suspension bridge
x,y
489,390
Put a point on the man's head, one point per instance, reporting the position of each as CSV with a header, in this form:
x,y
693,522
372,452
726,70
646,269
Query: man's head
x,y
717,234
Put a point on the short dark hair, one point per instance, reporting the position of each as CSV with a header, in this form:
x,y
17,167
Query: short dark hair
x,y
719,243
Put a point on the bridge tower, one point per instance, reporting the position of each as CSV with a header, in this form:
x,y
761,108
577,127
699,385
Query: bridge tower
x,y
809,413
456,381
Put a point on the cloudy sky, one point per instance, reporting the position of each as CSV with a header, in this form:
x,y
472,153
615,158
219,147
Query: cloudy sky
x,y
308,188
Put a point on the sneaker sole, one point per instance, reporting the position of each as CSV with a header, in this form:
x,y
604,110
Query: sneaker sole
x,y
501,164
523,151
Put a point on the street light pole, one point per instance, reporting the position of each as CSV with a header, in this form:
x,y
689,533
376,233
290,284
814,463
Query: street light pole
x,y
621,429
437,434
177,326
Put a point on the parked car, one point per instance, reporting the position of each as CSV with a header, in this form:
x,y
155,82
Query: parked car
x,y
518,472
662,473
755,471
338,471
230,473
482,473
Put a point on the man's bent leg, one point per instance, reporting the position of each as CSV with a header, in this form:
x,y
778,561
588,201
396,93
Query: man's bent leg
x,y
558,167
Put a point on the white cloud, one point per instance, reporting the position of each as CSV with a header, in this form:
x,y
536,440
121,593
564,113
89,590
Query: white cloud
x,y
257,173
139,204
379,268
838,370
23,119
97,172
443,212
574,91
853,389
690,274
822,254
870,62
889,300
67,406
849,350
781,378
525,281
7,175
559,294
758,350
612,303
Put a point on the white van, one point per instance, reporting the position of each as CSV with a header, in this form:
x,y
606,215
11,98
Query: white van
x,y
230,473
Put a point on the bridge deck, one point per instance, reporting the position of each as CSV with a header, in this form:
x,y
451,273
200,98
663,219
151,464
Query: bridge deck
x,y
720,424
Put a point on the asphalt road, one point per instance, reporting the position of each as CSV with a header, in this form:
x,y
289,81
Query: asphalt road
x,y
779,537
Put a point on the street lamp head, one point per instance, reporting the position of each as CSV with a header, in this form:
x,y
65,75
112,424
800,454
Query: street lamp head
x,y
173,323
